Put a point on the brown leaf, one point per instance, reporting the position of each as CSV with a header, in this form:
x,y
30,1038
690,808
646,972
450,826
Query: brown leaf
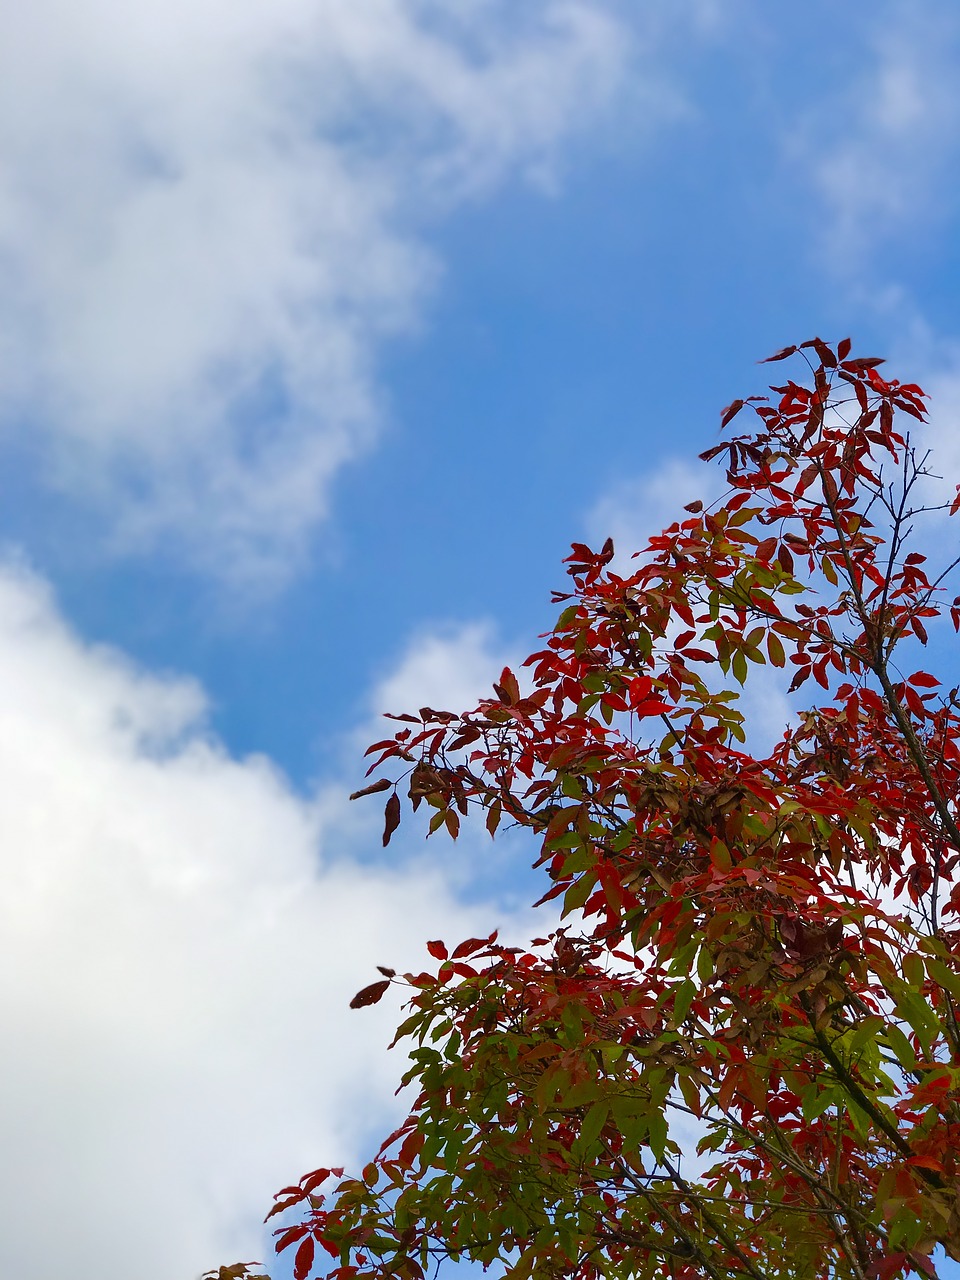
x,y
391,818
238,1271
380,785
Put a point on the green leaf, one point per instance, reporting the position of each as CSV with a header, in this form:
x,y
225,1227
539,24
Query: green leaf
x,y
739,665
913,970
591,1128
657,1135
902,1048
921,1017
817,1100
867,1033
943,976
579,892
683,1000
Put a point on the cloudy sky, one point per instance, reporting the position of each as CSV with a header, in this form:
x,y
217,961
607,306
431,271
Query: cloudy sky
x,y
325,326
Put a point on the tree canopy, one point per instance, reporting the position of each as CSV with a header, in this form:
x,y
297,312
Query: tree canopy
x,y
734,1052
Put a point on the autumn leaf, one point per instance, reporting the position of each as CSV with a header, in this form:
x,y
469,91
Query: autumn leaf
x,y
382,784
391,816
370,995
730,412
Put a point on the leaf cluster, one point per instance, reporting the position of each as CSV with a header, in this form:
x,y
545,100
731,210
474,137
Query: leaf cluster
x,y
739,1055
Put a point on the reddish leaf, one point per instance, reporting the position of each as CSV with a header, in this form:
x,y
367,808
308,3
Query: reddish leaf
x,y
826,356
730,412
650,707
923,680
779,355
410,1148
311,1181
766,549
467,948
287,1236
303,1261
391,818
437,950
370,995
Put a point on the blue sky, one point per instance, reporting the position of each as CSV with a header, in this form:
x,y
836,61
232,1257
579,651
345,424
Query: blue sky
x,y
324,328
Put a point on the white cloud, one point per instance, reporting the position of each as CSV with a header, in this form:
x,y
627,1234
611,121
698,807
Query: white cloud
x,y
942,433
211,217
177,951
882,151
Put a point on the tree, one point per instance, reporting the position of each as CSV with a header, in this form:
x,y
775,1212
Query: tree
x,y
759,954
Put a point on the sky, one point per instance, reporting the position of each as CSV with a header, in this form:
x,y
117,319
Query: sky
x,y
325,327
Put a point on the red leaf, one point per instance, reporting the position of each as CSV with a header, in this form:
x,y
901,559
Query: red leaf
x,y
651,707
287,1235
801,675
697,655
410,1148
303,1262
923,680
765,549
779,355
827,357
283,1205
370,995
391,818
437,950
311,1181
387,973
730,412
467,948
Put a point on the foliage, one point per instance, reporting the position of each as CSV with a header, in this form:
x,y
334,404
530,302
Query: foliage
x,y
739,1055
